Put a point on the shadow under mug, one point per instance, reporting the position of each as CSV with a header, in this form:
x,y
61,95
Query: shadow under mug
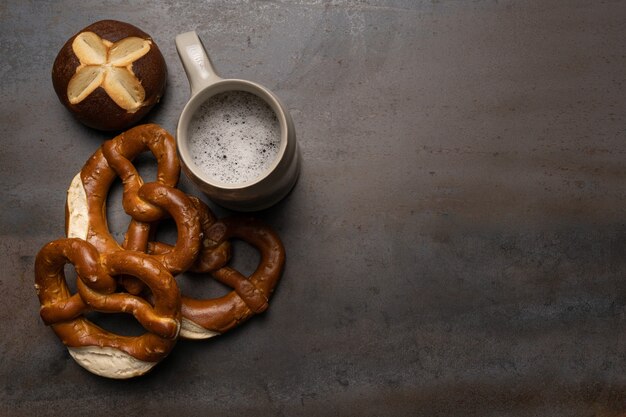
x,y
269,187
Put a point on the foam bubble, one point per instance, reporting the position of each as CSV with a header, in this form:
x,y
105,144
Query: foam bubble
x,y
234,137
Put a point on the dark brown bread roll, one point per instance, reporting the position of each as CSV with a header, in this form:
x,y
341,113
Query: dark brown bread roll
x,y
109,75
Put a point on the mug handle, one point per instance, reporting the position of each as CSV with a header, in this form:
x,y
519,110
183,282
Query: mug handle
x,y
196,62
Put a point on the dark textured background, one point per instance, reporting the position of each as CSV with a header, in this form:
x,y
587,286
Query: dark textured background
x,y
457,239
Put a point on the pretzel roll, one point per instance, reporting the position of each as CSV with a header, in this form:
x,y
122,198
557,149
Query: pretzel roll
x,y
97,350
109,75
210,317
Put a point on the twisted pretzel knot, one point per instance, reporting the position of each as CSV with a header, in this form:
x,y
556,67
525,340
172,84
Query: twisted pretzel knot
x,y
203,318
250,295
102,264
145,203
96,285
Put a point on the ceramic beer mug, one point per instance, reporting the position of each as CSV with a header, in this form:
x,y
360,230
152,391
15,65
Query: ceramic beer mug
x,y
236,140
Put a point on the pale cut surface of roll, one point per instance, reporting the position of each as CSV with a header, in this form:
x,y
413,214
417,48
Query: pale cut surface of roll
x,y
109,362
77,207
191,330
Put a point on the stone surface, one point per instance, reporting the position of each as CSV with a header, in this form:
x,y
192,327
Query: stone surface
x,y
456,242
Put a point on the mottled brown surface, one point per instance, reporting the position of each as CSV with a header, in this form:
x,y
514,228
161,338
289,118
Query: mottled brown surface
x,y
71,324
98,110
456,241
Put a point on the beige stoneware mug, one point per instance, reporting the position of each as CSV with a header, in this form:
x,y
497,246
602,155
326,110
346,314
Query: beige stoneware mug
x,y
275,181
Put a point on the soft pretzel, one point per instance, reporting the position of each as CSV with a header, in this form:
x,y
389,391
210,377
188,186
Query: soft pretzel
x,y
145,203
97,350
211,256
101,263
204,318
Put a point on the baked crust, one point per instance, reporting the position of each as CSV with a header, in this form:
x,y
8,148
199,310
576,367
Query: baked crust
x,y
98,110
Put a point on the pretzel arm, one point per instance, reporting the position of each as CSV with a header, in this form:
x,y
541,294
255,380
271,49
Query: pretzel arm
x,y
182,210
264,239
216,315
50,281
254,298
82,334
145,314
251,294
212,255
119,153
63,310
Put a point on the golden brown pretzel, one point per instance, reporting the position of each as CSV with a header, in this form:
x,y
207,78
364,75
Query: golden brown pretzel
x,y
211,256
86,204
87,197
94,348
202,245
210,317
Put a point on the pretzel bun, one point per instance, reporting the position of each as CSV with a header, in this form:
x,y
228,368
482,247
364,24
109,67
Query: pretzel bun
x,y
109,75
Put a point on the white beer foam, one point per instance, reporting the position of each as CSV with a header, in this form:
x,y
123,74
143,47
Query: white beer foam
x,y
234,137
